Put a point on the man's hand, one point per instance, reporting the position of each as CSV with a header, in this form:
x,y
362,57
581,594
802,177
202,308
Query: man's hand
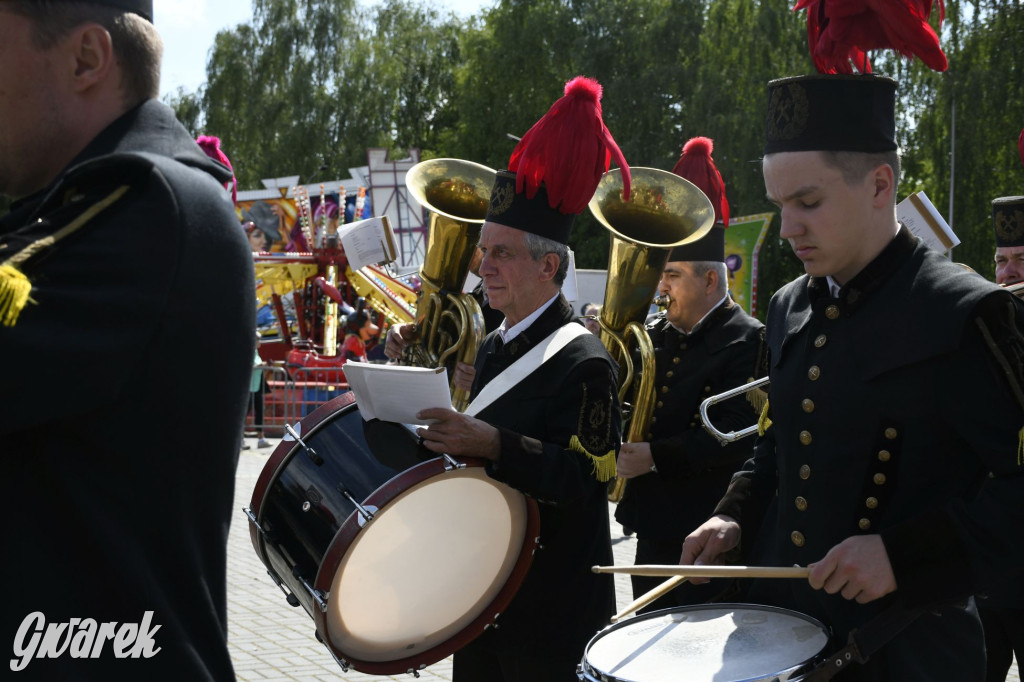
x,y
464,375
634,460
706,545
459,434
398,337
858,568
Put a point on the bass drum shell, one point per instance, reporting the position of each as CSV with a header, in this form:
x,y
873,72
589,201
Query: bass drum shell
x,y
444,553
707,643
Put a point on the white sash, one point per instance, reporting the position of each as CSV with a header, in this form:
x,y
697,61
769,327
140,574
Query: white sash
x,y
524,366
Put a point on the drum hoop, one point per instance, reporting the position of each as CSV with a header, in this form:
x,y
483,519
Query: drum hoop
x,y
585,666
279,460
350,529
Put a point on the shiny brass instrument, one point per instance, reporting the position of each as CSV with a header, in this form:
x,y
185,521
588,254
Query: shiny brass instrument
x,y
663,211
730,436
449,325
1016,289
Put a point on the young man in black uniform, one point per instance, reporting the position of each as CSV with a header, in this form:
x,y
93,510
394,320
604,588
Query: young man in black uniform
x,y
704,343
127,341
875,468
552,435
1001,607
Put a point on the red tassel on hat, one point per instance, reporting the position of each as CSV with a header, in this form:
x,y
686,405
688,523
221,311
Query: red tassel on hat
x,y
695,164
840,32
568,150
211,146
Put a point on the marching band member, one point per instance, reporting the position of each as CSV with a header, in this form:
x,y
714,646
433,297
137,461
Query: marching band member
x,y
704,343
1008,219
896,387
553,434
122,273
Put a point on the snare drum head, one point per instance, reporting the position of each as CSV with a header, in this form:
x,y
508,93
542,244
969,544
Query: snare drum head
x,y
707,643
424,577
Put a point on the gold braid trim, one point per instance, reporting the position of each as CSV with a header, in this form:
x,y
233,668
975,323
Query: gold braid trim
x,y
757,399
15,287
604,465
763,422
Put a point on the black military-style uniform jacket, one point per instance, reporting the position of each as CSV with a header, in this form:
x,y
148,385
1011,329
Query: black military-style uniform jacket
x,y
693,468
571,397
125,384
890,405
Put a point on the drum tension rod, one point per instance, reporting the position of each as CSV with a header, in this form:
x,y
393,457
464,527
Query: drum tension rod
x,y
363,511
317,595
317,459
451,463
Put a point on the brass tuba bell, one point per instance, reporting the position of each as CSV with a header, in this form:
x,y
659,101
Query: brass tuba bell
x,y
663,211
449,324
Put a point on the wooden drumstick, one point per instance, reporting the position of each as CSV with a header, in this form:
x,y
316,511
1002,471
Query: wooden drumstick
x,y
646,598
665,571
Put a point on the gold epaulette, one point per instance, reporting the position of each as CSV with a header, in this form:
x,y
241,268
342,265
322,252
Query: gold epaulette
x,y
604,465
15,286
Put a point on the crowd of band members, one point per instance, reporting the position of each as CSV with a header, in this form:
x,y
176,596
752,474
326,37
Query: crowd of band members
x,y
879,466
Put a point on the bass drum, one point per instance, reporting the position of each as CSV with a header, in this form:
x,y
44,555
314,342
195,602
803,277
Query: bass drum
x,y
706,643
400,557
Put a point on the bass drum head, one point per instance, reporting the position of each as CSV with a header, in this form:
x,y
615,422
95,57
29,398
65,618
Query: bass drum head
x,y
443,555
706,643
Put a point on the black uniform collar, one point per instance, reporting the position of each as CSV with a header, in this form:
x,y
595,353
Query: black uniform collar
x,y
556,315
853,294
715,329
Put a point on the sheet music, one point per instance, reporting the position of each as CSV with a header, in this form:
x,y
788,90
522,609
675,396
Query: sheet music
x,y
368,242
924,221
395,393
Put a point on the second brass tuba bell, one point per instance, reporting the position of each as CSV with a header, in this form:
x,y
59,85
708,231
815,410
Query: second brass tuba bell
x,y
663,211
449,324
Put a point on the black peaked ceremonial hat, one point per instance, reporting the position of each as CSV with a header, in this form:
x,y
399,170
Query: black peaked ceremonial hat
x,y
842,113
1008,221
144,8
557,165
696,165
710,247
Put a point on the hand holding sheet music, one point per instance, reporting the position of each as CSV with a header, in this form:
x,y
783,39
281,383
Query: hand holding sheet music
x,y
396,393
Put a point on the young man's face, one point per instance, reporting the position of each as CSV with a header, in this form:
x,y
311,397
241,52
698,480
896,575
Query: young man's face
x,y
1009,264
30,107
824,219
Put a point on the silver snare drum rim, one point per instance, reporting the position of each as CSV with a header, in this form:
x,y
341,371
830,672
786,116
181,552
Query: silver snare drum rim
x,y
707,643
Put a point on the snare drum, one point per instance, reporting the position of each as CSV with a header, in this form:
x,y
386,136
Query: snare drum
x,y
399,559
706,643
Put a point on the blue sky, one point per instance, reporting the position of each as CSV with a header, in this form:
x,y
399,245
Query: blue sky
x,y
189,26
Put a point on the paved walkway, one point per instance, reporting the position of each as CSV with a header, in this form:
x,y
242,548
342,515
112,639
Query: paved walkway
x,y
270,640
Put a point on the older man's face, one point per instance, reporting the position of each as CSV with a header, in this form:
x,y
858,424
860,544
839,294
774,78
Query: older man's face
x,y
1009,264
512,279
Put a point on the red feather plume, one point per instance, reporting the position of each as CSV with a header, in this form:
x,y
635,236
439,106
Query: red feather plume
x,y
840,32
210,144
695,164
568,150
1020,146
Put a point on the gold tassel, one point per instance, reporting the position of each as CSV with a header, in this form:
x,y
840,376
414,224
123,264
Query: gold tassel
x,y
1020,447
757,398
763,422
604,466
14,294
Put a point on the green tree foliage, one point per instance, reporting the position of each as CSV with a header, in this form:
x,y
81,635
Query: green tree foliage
x,y
314,81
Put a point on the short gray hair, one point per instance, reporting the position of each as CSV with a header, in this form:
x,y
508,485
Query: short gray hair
x,y
136,42
701,267
539,247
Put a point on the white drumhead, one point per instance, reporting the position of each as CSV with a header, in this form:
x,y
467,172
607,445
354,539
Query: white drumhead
x,y
428,564
713,643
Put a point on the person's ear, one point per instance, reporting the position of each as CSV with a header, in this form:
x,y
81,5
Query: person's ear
x,y
92,52
884,186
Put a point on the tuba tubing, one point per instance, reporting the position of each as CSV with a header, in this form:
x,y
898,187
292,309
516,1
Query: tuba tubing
x,y
449,324
664,211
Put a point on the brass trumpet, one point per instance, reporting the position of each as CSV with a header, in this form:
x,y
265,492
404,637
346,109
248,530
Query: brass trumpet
x,y
449,325
663,211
